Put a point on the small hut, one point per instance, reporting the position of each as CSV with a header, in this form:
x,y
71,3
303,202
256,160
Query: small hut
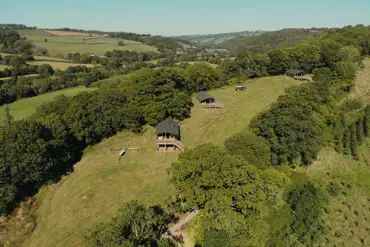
x,y
293,73
204,97
241,88
168,136
207,101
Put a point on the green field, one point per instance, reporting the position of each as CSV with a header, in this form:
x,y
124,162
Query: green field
x,y
62,45
59,65
24,108
45,58
100,185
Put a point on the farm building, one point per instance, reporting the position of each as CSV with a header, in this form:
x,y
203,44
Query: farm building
x,y
168,136
207,101
204,97
293,73
240,88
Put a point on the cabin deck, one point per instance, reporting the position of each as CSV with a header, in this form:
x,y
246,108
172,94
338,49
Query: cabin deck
x,y
213,106
169,145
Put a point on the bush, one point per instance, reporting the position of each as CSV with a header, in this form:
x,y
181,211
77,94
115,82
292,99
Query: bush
x,y
254,149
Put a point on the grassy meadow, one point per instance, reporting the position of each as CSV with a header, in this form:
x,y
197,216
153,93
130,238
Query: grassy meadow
x,y
24,108
62,45
100,184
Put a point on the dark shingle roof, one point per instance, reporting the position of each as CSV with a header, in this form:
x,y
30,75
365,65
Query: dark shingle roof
x,y
294,72
168,126
202,96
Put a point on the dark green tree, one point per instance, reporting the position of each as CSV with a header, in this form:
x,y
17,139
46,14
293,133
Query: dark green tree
x,y
254,149
134,225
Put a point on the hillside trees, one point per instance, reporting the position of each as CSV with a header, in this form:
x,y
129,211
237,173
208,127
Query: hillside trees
x,y
254,149
134,225
29,155
303,225
201,77
229,191
160,94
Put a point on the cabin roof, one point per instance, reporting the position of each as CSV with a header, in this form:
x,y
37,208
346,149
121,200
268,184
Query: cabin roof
x,y
202,96
296,71
168,126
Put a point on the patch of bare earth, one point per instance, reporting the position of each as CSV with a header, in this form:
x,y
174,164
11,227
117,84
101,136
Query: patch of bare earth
x,y
15,228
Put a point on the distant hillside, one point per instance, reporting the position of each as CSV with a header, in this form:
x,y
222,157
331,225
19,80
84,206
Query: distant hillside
x,y
268,40
148,42
209,40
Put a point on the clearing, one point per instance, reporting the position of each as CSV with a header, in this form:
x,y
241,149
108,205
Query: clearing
x,y
61,45
24,108
100,185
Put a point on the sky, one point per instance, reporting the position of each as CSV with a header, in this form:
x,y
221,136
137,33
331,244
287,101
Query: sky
x,y
175,17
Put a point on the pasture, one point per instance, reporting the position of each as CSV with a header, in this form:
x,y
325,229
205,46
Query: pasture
x,y
59,65
100,184
61,45
24,108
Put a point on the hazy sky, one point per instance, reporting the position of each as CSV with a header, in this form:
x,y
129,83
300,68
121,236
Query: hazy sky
x,y
175,17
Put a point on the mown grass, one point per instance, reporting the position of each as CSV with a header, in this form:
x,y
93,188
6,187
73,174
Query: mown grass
x,y
100,185
62,45
24,108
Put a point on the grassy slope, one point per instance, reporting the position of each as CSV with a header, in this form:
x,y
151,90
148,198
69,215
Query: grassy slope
x,y
99,185
26,107
68,44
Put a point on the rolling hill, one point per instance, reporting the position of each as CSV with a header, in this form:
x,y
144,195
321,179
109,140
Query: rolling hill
x,y
268,40
64,44
208,40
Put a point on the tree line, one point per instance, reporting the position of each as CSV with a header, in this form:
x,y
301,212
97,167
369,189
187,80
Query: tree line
x,y
347,44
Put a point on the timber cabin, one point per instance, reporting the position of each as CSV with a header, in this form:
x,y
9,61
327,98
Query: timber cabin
x,y
293,73
207,101
168,136
241,88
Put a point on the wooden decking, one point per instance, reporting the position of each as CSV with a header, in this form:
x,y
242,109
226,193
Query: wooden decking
x,y
213,106
169,145
303,78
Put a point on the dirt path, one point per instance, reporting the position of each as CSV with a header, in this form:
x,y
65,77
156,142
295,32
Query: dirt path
x,y
174,230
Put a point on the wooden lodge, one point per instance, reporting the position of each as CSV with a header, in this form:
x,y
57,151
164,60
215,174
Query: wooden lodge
x,y
298,75
168,136
241,88
293,73
207,101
